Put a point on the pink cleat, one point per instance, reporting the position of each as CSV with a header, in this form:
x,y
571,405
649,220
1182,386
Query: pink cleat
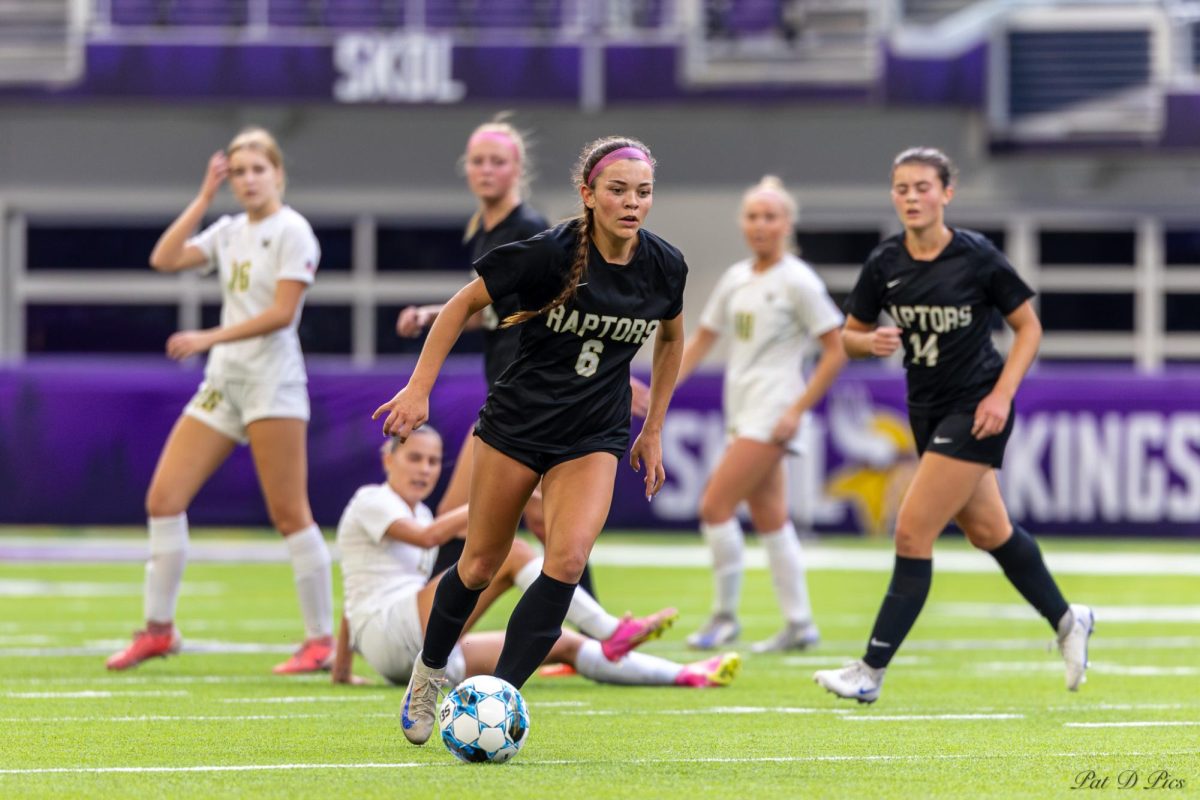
x,y
146,645
633,632
315,655
716,671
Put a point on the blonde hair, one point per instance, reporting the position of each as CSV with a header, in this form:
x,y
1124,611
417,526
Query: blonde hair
x,y
261,140
499,125
588,159
772,185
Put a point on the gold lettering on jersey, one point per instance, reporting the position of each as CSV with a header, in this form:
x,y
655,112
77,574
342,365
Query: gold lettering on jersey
x,y
743,325
938,319
239,276
600,326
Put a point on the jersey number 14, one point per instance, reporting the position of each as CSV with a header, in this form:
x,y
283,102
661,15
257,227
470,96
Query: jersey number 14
x,y
927,350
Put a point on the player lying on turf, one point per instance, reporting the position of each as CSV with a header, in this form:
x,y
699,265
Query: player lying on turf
x,y
388,539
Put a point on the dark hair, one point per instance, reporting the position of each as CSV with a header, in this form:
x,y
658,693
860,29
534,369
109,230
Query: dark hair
x,y
930,157
588,158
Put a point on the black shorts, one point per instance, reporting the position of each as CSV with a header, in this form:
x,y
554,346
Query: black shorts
x,y
949,435
542,461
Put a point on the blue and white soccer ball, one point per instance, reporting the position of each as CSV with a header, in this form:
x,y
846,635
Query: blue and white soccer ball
x,y
484,719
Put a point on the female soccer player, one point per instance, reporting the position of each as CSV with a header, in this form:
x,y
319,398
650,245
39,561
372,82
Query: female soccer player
x,y
496,163
771,305
592,290
387,538
253,391
940,286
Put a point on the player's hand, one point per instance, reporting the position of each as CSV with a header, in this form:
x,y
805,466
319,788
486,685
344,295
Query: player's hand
x,y
413,320
647,450
215,174
349,680
885,341
185,344
640,397
991,415
405,412
787,427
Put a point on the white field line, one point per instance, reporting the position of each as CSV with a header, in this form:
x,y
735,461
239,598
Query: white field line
x,y
687,554
1107,614
1145,724
917,717
313,699
184,718
1097,667
26,588
125,680
94,695
690,712
607,765
108,646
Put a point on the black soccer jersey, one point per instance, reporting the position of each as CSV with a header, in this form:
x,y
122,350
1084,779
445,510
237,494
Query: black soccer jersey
x,y
500,344
568,387
944,309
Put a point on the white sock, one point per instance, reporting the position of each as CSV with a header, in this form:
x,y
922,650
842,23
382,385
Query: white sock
x,y
585,612
164,568
314,580
725,541
786,560
635,669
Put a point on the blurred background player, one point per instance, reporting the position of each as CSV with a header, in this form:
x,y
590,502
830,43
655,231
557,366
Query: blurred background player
x,y
387,538
941,286
253,391
770,306
498,170
593,289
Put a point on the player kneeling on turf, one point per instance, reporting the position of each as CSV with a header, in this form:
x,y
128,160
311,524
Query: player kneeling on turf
x,y
388,539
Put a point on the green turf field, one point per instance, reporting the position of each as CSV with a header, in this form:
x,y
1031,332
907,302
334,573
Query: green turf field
x,y
974,706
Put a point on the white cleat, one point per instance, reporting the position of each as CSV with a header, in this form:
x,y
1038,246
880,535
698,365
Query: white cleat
x,y
794,636
720,630
855,681
420,701
1073,643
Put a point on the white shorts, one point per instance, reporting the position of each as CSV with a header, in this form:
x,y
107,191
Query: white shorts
x,y
229,406
391,638
758,424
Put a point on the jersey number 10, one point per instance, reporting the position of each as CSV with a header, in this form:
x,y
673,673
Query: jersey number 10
x,y
927,350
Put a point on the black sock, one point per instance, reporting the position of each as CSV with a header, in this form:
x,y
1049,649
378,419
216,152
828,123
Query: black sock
x,y
452,606
901,605
533,628
1021,560
585,581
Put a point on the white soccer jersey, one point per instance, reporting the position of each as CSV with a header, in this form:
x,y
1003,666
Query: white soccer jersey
x,y
376,569
251,258
769,319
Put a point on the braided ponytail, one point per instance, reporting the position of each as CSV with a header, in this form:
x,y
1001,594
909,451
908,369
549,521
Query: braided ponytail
x,y
588,158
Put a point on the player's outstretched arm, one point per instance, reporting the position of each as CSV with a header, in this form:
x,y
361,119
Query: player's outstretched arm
x,y
172,253
447,526
647,450
343,656
410,407
991,415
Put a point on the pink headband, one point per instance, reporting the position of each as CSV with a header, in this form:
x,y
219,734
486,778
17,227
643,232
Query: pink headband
x,y
621,153
495,136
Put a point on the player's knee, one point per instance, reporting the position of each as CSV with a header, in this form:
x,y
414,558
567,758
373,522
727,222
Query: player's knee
x,y
478,570
715,510
567,567
986,536
289,519
162,502
911,541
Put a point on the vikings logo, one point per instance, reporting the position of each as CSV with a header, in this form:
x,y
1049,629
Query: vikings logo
x,y
880,458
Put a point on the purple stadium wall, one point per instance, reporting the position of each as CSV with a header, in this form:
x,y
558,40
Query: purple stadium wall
x,y
1095,451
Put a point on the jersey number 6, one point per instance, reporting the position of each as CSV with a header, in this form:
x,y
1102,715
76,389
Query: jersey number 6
x,y
927,350
589,358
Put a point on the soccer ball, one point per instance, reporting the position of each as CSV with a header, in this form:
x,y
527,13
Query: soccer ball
x,y
484,719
